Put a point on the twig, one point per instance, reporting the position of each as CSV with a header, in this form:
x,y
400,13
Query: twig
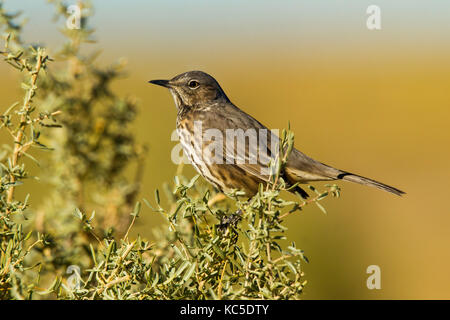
x,y
219,289
23,121
216,199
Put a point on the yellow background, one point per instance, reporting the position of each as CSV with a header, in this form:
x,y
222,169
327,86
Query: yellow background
x,y
371,102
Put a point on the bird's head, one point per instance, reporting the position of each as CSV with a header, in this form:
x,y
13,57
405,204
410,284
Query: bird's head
x,y
193,88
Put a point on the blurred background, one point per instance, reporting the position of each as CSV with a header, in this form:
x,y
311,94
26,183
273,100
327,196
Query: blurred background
x,y
373,102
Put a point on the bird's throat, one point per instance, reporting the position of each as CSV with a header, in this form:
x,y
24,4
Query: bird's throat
x,y
176,98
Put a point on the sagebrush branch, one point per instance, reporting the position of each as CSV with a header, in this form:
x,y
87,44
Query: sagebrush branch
x,y
41,58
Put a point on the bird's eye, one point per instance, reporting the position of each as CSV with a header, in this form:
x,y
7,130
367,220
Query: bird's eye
x,y
193,84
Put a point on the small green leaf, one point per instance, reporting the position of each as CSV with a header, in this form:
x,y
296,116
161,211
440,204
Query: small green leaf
x,y
137,209
158,200
78,214
190,272
321,207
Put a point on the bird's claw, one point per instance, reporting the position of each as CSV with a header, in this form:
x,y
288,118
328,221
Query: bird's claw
x,y
230,220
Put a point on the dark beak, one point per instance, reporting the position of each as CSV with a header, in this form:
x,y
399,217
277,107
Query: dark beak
x,y
162,83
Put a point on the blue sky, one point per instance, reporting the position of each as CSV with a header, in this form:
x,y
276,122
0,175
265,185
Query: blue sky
x,y
201,21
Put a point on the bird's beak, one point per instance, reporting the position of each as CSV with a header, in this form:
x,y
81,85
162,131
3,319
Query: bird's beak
x,y
162,83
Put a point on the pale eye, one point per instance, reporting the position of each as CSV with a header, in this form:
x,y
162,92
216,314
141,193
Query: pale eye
x,y
193,84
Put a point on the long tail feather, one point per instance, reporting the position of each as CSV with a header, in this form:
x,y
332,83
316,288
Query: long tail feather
x,y
369,182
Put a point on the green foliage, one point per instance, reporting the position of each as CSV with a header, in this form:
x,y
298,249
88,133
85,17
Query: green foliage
x,y
23,124
94,145
196,255
77,245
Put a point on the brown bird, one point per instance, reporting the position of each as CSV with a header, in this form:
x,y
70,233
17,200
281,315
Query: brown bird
x,y
205,112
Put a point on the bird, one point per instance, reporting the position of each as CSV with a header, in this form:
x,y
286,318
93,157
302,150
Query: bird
x,y
203,109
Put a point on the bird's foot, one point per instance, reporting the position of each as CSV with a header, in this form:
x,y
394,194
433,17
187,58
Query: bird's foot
x,y
230,220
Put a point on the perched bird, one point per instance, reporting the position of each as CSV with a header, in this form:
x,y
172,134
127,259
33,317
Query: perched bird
x,y
205,112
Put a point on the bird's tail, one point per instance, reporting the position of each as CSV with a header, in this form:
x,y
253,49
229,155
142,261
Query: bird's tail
x,y
369,182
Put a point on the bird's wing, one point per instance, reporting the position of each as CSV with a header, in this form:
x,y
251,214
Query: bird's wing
x,y
255,158
247,143
299,167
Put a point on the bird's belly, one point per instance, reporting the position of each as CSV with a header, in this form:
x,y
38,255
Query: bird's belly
x,y
224,177
193,151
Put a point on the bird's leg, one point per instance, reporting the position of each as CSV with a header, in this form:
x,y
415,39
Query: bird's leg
x,y
230,220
